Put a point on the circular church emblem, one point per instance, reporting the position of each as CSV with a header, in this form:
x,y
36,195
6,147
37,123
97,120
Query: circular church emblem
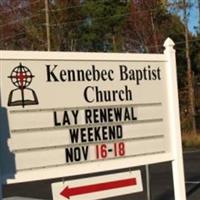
x,y
21,77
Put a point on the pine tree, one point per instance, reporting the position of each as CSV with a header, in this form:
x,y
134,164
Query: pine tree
x,y
102,27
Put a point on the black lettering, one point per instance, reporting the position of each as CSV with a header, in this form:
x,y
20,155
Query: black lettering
x,y
96,74
97,133
88,75
119,132
138,76
86,94
83,135
71,75
88,116
56,123
131,74
123,72
75,115
69,155
151,73
154,74
110,115
74,135
104,132
129,95
85,152
110,73
115,132
118,114
90,134
121,94
103,115
50,74
96,115
145,73
158,71
99,95
126,115
66,119
63,74
76,153
132,114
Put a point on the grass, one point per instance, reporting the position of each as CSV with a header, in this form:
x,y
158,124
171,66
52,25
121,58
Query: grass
x,y
191,140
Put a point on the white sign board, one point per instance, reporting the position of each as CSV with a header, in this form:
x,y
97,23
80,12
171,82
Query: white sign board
x,y
99,187
82,110
65,114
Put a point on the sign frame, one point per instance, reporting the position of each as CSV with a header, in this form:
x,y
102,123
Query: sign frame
x,y
175,156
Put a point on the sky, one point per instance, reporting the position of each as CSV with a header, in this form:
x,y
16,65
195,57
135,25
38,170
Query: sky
x,y
193,14
193,18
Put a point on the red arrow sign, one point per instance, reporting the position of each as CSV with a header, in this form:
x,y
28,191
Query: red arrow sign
x,y
67,192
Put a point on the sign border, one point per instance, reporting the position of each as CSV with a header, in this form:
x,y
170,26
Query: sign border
x,y
175,155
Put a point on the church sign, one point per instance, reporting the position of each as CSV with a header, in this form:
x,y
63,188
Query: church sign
x,y
67,113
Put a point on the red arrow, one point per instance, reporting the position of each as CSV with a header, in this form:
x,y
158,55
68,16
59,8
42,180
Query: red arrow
x,y
67,192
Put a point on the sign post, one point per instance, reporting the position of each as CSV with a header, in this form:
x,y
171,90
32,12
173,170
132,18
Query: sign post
x,y
174,122
68,114
148,181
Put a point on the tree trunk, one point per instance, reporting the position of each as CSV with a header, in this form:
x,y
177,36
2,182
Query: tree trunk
x,y
189,72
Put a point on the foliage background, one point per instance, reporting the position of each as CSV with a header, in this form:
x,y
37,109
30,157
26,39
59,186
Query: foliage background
x,y
105,26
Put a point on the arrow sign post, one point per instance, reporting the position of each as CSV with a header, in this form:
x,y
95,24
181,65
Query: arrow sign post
x,y
98,187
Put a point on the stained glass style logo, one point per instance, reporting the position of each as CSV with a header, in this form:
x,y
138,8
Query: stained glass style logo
x,y
21,77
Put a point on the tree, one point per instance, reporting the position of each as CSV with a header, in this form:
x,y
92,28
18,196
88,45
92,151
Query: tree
x,y
191,98
189,64
103,23
8,26
65,19
22,24
143,25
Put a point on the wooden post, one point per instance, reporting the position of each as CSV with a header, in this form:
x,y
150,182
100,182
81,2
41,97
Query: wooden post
x,y
174,122
47,25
